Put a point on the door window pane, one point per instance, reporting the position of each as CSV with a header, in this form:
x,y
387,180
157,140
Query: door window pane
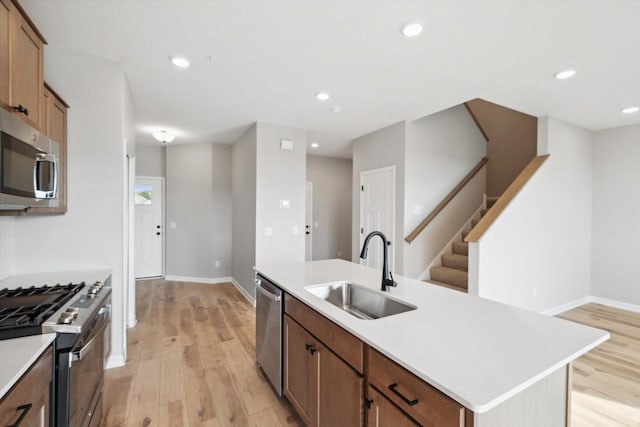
x,y
143,195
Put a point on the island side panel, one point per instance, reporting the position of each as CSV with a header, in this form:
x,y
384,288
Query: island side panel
x,y
542,404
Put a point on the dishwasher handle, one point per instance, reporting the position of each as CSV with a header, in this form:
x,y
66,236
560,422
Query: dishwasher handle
x,y
263,291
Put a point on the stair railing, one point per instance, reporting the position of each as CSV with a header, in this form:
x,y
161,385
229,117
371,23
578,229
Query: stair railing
x,y
506,198
434,213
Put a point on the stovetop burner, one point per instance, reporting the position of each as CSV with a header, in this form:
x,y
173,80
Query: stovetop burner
x,y
24,310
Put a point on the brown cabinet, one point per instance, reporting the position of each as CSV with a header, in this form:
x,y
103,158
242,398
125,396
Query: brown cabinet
x,y
381,412
324,390
27,403
425,404
21,73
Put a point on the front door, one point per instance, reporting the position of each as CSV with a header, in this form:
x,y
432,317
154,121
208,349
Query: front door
x,y
377,212
149,227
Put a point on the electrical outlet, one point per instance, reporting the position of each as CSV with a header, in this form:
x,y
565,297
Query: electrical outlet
x,y
268,231
285,204
173,225
295,229
217,263
534,293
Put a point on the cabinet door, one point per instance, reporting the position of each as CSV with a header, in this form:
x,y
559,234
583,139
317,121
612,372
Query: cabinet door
x,y
26,71
340,391
382,412
28,400
55,125
5,29
299,383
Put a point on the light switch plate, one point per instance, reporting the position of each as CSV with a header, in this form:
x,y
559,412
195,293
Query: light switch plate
x,y
286,144
285,204
172,225
268,231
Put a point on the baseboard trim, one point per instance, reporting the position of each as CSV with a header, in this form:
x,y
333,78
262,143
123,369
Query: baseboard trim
x,y
244,292
208,280
616,304
591,299
115,361
567,306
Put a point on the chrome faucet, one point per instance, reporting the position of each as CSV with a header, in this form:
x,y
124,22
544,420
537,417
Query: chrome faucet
x,y
387,277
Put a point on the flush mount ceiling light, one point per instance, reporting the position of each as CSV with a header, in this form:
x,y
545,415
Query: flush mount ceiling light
x,y
631,110
411,28
336,109
314,145
322,96
180,61
164,136
565,74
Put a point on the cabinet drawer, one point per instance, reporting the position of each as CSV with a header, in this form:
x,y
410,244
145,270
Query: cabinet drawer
x,y
341,342
424,403
30,396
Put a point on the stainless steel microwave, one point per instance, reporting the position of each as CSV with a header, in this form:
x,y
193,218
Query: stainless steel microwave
x,y
28,166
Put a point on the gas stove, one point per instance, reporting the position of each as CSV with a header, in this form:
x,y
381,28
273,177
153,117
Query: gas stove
x,y
57,308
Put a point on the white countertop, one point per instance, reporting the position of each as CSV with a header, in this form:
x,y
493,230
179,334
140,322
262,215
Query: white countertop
x,y
17,355
478,352
54,278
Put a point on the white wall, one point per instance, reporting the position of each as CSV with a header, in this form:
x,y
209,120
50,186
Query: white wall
x,y
441,149
280,175
243,196
91,233
384,147
198,200
537,254
150,160
331,178
7,247
616,214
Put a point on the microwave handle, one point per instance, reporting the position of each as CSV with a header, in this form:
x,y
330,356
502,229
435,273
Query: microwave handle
x,y
44,157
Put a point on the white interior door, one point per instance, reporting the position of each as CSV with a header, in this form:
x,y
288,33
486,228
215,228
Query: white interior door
x,y
377,212
308,228
149,227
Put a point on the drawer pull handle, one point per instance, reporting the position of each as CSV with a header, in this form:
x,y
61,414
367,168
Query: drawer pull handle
x,y
25,410
394,388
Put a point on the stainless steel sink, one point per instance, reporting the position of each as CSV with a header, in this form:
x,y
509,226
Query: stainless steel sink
x,y
359,301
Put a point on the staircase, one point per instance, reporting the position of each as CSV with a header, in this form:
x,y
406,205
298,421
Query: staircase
x,y
453,273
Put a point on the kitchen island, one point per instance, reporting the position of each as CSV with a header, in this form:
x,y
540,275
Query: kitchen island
x,y
504,365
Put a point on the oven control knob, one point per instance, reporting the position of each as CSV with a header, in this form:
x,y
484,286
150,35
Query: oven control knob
x,y
99,284
93,291
73,311
65,318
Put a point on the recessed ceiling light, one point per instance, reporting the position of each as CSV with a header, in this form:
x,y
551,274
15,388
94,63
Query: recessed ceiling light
x,y
336,109
411,28
566,74
323,96
164,136
631,110
314,145
180,62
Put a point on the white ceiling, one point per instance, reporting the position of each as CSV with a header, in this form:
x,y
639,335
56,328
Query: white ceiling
x,y
271,57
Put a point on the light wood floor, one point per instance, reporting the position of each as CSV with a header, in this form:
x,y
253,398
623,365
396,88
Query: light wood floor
x,y
606,381
191,362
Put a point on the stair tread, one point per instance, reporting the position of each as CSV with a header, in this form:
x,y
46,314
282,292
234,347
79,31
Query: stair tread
x,y
457,261
460,247
450,276
446,285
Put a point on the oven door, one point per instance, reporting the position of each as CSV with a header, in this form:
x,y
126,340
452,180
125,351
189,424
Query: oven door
x,y
86,373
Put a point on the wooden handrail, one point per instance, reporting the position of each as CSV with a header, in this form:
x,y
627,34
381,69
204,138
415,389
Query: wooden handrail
x,y
411,237
506,198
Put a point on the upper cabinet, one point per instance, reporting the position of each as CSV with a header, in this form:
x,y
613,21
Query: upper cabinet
x,y
22,60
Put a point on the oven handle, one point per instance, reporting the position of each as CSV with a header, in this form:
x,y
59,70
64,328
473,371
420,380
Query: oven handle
x,y
79,354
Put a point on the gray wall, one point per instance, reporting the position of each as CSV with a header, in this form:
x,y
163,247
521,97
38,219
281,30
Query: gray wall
x,y
616,210
92,232
150,160
280,176
243,191
332,186
198,200
381,148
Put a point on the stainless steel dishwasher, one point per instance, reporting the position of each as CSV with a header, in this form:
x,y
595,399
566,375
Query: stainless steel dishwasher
x,y
269,330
